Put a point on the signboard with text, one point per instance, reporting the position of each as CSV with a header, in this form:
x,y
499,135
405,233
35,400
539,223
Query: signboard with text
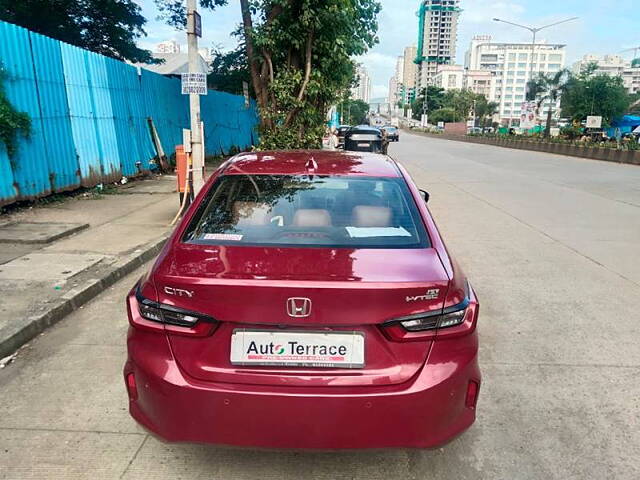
x,y
528,115
245,92
197,24
594,121
194,83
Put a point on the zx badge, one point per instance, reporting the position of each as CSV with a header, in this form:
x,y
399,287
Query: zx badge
x,y
178,292
431,294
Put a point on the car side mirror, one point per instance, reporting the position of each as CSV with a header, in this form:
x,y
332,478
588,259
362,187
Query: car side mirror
x,y
425,195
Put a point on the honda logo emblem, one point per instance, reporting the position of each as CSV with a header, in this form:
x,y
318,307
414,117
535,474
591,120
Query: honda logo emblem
x,y
298,307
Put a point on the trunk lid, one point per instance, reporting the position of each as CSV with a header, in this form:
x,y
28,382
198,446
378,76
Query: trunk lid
x,y
349,290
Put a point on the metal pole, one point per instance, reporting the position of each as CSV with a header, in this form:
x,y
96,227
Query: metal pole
x,y
533,51
194,100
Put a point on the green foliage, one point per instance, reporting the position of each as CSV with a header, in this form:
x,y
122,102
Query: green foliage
x,y
461,102
298,55
353,112
600,95
452,106
446,115
229,70
174,12
435,100
108,27
571,132
549,87
484,109
12,122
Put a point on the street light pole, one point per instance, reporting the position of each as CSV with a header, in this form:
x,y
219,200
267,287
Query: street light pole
x,y
197,152
534,31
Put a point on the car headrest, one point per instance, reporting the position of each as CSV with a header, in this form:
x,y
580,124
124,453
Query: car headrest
x,y
311,217
369,216
250,213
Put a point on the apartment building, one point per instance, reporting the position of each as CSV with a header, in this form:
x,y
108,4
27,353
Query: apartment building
x,y
362,91
449,77
437,37
631,77
510,65
409,73
615,66
612,65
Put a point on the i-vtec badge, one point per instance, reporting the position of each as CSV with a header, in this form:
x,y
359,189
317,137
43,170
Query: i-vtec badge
x,y
431,294
179,292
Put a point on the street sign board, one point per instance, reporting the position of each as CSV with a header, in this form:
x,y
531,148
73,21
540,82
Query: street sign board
x,y
186,140
471,123
440,124
197,24
245,92
594,121
194,83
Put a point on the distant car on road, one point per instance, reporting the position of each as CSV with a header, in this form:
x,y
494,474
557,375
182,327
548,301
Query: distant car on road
x,y
305,300
393,134
342,130
364,138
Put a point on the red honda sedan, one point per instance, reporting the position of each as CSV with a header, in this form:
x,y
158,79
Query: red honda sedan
x,y
306,300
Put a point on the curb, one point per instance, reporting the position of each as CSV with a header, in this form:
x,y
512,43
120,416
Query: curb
x,y
625,157
78,296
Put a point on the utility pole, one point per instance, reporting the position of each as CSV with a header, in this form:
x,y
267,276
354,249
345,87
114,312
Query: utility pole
x,y
197,150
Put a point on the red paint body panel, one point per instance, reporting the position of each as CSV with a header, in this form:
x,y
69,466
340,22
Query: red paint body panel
x,y
413,387
339,163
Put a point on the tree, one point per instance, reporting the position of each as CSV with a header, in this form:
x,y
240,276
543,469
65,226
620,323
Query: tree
x,y
353,112
229,70
461,102
108,27
548,88
443,115
435,99
484,109
600,95
299,59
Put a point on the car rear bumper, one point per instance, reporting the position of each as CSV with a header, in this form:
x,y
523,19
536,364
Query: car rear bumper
x,y
426,412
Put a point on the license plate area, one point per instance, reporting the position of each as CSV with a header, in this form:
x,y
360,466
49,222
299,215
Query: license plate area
x,y
319,349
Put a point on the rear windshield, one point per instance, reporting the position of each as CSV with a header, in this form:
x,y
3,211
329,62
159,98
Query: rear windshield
x,y
298,211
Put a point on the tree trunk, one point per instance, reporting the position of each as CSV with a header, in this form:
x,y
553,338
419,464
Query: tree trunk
x,y
258,85
547,130
305,82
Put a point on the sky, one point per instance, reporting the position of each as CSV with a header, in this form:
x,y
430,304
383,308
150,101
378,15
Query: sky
x,y
600,29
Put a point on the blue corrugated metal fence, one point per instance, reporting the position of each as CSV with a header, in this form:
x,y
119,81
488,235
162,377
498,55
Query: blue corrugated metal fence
x,y
89,116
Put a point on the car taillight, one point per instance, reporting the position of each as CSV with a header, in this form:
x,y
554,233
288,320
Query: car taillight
x,y
450,317
453,321
159,316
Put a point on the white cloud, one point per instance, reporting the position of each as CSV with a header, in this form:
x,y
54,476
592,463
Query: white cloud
x,y
379,91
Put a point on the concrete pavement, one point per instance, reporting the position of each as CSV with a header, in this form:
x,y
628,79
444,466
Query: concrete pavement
x,y
54,258
548,243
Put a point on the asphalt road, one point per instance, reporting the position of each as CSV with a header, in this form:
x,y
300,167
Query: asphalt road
x,y
550,245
